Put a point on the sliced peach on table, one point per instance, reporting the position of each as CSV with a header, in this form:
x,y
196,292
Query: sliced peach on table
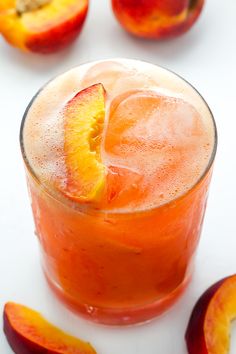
x,y
42,26
208,331
28,332
83,124
157,19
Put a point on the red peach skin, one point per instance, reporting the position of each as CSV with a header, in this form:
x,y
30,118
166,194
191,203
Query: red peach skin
x,y
157,19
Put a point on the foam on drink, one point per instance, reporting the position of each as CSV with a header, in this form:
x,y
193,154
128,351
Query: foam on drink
x,y
158,135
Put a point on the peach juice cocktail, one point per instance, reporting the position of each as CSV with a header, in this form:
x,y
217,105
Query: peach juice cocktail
x,y
119,156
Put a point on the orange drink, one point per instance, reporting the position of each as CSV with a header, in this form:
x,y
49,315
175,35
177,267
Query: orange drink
x,y
118,156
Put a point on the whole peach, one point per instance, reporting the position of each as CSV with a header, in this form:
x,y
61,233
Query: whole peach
x,y
157,19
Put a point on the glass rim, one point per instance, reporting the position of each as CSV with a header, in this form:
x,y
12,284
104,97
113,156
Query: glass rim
x,y
85,207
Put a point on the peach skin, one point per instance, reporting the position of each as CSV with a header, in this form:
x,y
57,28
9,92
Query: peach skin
x,y
208,331
28,332
157,19
42,26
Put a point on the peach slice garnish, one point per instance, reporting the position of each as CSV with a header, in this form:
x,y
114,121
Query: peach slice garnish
x,y
28,332
83,122
42,26
208,330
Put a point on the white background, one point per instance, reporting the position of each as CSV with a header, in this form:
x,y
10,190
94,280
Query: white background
x,y
205,56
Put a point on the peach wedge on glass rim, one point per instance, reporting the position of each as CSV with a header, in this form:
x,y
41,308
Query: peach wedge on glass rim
x,y
157,19
83,119
28,332
42,26
208,331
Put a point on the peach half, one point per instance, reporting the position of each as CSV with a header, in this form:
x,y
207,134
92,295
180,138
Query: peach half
x,y
157,19
28,332
83,125
208,331
42,26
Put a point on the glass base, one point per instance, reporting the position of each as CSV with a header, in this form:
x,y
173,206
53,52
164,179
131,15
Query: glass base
x,y
122,316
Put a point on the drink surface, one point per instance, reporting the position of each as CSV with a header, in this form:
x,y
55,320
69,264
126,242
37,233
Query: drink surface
x,y
157,137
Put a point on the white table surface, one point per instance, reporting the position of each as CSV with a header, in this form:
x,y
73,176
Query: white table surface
x,y
205,56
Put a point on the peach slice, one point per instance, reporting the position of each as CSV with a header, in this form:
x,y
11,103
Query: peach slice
x,y
42,26
208,330
157,19
28,332
83,123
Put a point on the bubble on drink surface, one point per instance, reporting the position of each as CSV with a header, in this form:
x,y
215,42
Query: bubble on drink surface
x,y
157,140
